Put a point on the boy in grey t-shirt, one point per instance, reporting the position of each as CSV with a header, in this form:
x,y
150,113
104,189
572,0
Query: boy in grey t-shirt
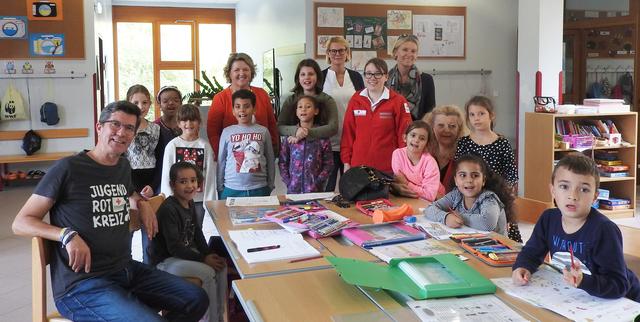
x,y
246,165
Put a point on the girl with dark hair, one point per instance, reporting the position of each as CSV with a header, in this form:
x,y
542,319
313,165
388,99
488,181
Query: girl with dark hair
x,y
308,81
480,200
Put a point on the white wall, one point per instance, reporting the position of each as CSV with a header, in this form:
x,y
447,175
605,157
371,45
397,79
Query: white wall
x,y
262,25
74,97
491,44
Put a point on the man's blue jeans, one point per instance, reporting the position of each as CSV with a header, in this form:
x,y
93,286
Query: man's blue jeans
x,y
135,293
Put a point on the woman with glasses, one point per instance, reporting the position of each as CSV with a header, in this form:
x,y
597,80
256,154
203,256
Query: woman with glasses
x,y
339,82
374,122
239,71
405,78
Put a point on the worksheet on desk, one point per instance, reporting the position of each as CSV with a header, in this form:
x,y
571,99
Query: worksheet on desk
x,y
548,289
440,231
252,201
270,245
469,309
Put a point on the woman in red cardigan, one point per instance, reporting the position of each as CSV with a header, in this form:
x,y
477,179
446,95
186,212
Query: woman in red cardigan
x,y
239,71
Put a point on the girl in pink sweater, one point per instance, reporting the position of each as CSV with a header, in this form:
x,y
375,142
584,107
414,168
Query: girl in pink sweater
x,y
414,167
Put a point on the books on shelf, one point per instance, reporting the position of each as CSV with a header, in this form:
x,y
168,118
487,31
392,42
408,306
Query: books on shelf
x,y
257,246
614,174
619,207
382,234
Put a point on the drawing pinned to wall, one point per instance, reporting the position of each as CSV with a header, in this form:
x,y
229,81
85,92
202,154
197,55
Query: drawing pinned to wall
x,y
366,41
330,17
321,45
440,36
359,58
46,44
399,19
349,39
374,27
13,27
391,40
44,9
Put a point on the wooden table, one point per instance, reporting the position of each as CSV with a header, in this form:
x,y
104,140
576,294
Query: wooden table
x,y
319,295
218,211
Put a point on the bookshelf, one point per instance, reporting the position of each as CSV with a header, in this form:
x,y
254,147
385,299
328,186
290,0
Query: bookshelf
x,y
540,154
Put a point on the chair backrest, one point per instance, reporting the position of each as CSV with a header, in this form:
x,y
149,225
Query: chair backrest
x,y
39,262
134,219
528,210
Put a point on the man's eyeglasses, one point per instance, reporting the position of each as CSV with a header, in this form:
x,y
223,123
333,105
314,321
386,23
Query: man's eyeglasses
x,y
117,125
376,75
340,51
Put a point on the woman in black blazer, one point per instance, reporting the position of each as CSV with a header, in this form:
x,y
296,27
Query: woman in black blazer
x,y
341,83
405,78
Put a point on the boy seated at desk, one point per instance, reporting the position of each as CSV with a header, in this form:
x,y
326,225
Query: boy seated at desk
x,y
581,241
180,247
246,164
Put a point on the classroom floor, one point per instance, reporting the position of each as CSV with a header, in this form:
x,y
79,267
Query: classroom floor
x,y
15,255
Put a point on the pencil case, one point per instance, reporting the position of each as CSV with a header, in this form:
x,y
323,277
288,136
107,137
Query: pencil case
x,y
491,251
367,207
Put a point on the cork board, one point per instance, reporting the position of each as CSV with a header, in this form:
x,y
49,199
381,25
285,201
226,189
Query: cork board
x,y
71,26
372,29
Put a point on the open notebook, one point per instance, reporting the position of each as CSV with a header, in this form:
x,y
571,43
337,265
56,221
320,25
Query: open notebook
x,y
258,246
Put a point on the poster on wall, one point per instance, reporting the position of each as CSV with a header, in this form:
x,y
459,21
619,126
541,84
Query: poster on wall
x,y
44,9
359,58
366,33
13,27
439,36
330,17
391,40
399,19
321,45
46,44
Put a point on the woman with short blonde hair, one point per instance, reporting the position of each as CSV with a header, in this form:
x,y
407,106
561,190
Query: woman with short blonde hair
x,y
340,88
405,78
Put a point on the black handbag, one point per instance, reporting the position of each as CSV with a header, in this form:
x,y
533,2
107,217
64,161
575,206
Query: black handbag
x,y
365,183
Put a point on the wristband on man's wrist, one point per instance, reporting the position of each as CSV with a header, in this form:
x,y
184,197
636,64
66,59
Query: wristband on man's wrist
x,y
62,232
67,236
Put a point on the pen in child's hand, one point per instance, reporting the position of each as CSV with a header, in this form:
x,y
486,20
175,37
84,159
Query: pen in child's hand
x,y
572,264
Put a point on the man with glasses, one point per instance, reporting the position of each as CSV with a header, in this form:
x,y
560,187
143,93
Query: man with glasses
x,y
89,197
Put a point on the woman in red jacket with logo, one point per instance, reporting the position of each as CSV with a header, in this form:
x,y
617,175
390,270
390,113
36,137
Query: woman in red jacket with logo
x,y
374,122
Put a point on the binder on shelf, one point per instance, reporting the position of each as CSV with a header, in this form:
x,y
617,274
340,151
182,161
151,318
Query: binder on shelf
x,y
436,276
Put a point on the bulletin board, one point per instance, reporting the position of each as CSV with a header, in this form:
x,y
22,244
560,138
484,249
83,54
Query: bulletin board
x,y
66,29
372,29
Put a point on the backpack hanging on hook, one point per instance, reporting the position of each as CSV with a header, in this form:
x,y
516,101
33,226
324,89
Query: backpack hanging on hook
x,y
12,105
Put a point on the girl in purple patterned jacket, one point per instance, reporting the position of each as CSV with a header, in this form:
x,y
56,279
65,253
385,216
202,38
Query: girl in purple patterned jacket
x,y
305,164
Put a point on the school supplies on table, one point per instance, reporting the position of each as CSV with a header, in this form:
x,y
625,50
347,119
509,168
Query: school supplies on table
x,y
248,215
252,201
434,276
440,231
318,222
382,234
416,248
310,196
548,289
392,214
490,250
257,246
368,206
472,309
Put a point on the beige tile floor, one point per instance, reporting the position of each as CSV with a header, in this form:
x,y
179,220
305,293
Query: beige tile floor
x,y
15,257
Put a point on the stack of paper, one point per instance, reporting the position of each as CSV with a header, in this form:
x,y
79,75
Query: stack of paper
x,y
418,248
472,309
258,246
607,105
440,231
548,289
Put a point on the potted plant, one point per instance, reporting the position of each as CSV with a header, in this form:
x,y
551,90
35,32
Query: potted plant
x,y
207,90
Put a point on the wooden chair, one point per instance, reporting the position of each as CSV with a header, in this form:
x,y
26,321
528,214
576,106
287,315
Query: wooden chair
x,y
528,210
39,261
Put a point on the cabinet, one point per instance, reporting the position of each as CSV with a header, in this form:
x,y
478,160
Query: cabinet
x,y
540,154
